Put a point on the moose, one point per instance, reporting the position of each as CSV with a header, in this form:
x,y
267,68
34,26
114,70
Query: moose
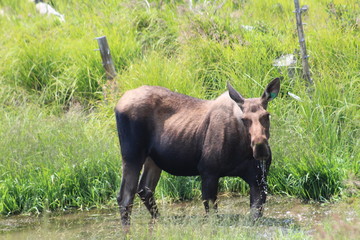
x,y
185,136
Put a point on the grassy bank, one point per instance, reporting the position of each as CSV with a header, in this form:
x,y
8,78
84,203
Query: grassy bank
x,y
58,142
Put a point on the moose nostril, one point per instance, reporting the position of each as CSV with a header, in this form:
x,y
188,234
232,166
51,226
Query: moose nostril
x,y
261,151
259,143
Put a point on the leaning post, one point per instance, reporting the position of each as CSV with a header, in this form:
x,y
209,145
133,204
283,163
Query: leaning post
x,y
106,57
301,35
110,87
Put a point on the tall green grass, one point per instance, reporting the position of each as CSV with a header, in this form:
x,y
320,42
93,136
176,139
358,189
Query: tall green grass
x,y
50,162
58,140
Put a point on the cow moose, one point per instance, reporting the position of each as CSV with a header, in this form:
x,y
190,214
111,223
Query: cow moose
x,y
162,130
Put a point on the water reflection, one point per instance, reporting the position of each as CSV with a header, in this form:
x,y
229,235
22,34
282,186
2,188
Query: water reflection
x,y
281,215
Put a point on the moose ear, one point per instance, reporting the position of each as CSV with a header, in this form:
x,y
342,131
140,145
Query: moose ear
x,y
235,95
271,91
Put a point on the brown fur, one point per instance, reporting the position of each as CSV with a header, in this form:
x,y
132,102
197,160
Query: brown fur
x,y
163,130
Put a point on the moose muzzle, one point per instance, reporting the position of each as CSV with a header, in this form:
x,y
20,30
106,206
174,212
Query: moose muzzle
x,y
261,149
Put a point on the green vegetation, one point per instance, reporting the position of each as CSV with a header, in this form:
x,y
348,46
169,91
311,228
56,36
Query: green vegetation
x,y
59,147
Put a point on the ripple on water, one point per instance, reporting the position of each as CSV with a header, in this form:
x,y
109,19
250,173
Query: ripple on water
x,y
282,215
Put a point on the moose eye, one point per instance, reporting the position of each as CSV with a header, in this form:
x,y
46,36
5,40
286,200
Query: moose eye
x,y
247,122
265,120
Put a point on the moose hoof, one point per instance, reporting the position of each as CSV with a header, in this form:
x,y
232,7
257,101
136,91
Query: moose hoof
x,y
256,213
126,229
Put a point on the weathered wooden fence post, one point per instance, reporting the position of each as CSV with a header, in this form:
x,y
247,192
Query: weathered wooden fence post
x,y
110,87
303,53
106,57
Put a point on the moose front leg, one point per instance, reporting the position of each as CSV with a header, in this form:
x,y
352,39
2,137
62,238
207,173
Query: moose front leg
x,y
258,192
257,200
258,187
209,188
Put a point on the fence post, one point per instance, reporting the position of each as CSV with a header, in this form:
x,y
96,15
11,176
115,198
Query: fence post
x,y
106,57
303,53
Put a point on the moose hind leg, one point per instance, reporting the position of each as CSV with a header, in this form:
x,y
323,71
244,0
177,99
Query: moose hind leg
x,y
148,181
209,188
128,189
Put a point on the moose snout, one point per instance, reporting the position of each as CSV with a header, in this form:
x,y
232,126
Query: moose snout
x,y
261,149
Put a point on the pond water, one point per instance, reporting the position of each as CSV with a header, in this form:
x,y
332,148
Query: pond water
x,y
284,217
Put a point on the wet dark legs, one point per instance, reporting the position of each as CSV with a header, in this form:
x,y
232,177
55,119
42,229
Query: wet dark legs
x,y
128,189
130,186
257,200
209,188
258,192
149,179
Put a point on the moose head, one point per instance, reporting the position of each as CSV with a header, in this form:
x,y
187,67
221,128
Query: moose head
x,y
256,119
